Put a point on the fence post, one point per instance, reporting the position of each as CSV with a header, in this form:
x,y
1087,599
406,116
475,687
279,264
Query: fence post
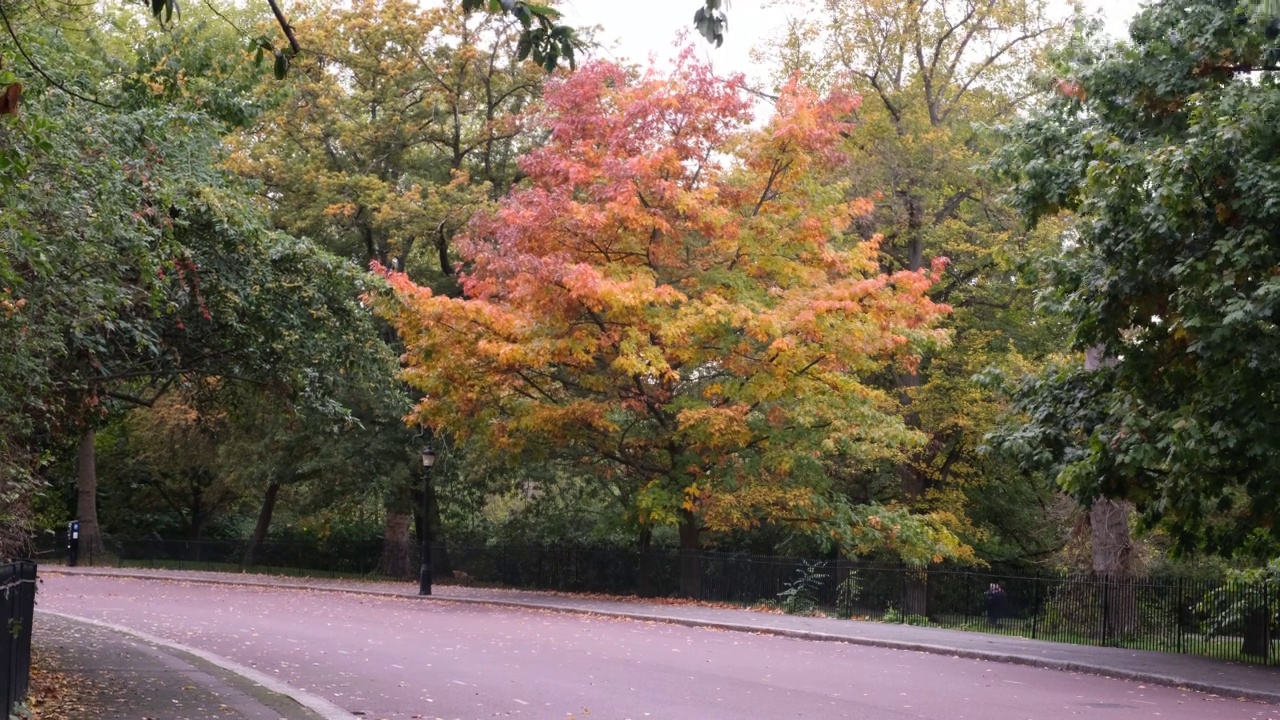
x,y
17,607
26,616
902,597
1177,611
1269,618
1035,604
1106,608
8,665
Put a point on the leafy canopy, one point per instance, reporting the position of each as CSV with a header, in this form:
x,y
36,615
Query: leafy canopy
x,y
668,300
1164,149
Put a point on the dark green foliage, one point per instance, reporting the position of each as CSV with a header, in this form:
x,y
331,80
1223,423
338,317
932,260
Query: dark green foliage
x,y
131,264
1165,149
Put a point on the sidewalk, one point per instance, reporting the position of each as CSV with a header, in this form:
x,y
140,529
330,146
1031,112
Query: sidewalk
x,y
123,678
1185,671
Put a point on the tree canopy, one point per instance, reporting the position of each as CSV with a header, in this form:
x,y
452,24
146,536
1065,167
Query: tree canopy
x,y
132,263
667,299
1163,150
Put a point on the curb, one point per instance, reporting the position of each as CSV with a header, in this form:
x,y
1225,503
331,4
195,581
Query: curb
x,y
991,656
310,701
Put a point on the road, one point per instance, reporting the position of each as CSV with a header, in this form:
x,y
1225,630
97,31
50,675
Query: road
x,y
402,658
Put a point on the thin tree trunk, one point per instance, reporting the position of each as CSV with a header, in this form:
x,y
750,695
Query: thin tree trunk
x,y
690,556
264,524
91,547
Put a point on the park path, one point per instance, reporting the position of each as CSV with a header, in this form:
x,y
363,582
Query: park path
x,y
398,657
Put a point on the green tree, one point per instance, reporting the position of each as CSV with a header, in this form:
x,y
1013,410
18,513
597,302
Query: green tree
x,y
935,76
1163,148
400,125
132,262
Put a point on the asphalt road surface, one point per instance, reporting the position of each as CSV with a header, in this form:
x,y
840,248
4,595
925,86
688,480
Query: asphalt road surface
x,y
401,658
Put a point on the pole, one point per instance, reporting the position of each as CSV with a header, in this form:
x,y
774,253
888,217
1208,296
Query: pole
x,y
1035,604
424,575
1178,612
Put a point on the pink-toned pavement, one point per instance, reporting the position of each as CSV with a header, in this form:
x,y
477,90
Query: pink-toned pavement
x,y
1189,671
121,677
776,674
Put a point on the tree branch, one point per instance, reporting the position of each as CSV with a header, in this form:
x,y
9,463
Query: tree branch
x,y
285,26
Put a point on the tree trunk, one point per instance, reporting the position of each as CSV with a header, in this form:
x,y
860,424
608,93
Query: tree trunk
x,y
395,544
644,575
913,481
915,589
915,593
1257,633
91,547
1111,548
690,556
1111,544
264,524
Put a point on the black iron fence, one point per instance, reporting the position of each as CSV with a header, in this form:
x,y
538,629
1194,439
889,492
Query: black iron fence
x,y
1201,614
335,558
17,608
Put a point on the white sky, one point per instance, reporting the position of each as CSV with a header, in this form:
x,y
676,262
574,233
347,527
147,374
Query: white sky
x,y
644,27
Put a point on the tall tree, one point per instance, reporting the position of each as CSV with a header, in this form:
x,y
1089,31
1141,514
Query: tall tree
x,y
1164,148
148,266
400,123
934,76
668,300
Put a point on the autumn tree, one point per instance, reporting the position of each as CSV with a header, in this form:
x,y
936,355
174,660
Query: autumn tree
x,y
935,76
668,301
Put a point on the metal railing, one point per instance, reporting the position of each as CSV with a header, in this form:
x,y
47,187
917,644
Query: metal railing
x,y
1200,614
17,609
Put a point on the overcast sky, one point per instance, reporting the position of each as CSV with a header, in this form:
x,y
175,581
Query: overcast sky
x,y
644,27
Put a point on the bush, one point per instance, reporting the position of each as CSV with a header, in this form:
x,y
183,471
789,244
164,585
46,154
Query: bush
x,y
800,595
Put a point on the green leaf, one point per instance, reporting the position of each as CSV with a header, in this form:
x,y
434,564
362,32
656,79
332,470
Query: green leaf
x,y
544,10
566,49
524,16
281,65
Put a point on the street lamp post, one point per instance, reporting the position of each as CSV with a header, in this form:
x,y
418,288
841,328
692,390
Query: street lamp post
x,y
424,577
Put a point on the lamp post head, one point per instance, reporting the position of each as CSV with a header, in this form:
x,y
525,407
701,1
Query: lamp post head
x,y
428,457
